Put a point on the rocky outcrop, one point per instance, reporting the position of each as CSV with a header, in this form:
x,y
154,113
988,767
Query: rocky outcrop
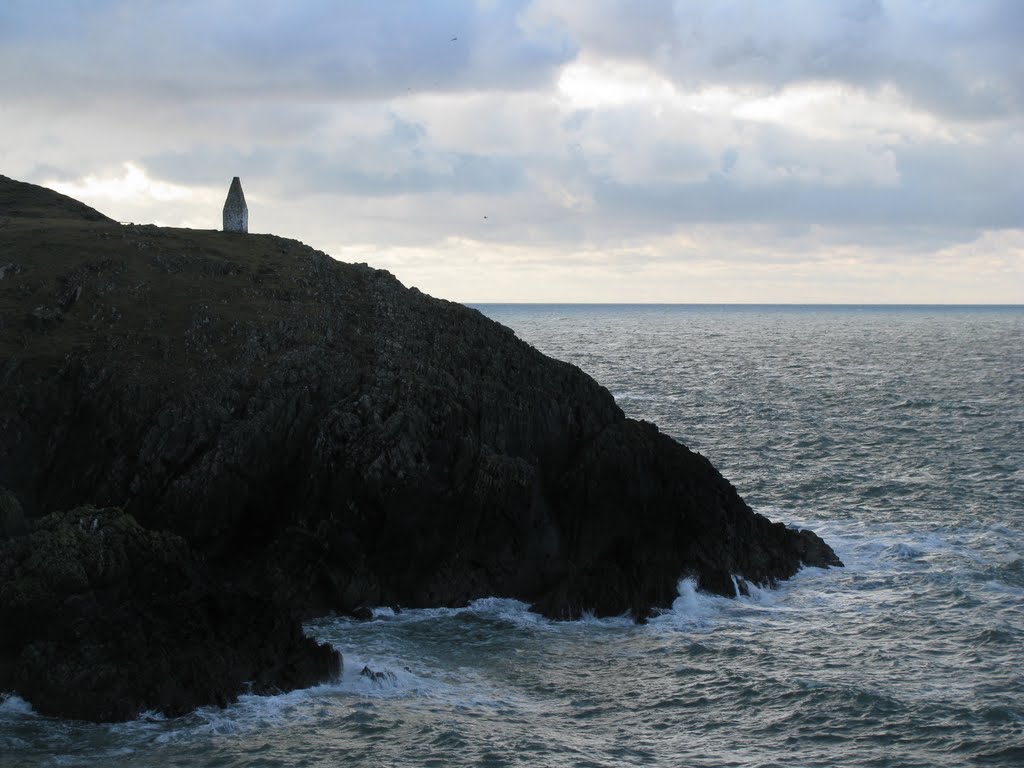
x,y
103,620
12,518
336,440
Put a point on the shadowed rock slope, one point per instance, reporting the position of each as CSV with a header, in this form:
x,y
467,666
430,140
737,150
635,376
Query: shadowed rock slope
x,y
103,619
334,440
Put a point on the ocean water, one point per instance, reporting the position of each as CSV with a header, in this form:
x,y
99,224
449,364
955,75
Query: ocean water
x,y
897,433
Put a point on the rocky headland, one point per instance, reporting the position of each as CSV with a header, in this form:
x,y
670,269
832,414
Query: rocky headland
x,y
207,437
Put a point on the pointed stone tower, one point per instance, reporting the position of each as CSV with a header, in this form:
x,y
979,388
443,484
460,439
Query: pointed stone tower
x,y
236,212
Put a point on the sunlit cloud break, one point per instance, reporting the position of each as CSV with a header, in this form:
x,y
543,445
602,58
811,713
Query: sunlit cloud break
x,y
132,185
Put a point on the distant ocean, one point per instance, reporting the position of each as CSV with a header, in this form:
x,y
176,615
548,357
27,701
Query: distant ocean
x,y
897,433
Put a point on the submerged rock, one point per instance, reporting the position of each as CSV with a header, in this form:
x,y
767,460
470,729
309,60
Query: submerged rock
x,y
334,440
378,676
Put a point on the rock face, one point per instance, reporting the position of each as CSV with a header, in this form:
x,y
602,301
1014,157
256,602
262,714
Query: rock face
x,y
335,440
103,620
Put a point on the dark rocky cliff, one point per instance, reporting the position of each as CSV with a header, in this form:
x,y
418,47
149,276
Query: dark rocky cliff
x,y
324,437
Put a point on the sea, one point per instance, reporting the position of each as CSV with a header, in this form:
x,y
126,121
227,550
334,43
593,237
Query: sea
x,y
895,432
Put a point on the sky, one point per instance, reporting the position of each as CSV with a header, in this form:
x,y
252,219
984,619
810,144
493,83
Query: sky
x,y
718,151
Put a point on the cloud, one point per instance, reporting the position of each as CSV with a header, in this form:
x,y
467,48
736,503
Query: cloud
x,y
954,58
630,140
232,51
818,265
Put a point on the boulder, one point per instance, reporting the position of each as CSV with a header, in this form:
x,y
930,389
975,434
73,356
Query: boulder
x,y
101,619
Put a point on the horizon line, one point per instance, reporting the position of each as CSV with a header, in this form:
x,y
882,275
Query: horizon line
x,y
737,304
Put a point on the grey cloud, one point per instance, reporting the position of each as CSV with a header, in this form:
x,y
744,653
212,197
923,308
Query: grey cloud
x,y
951,57
298,172
937,194
616,27
257,49
950,189
463,174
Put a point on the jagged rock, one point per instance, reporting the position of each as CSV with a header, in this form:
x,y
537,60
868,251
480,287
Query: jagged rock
x,y
12,517
336,440
101,619
378,676
44,318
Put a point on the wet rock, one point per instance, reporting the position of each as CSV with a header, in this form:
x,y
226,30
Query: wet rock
x,y
378,676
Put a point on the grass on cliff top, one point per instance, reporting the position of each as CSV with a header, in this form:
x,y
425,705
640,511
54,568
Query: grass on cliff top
x,y
72,279
20,200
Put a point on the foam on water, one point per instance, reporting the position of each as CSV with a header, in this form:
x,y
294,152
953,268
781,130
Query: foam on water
x,y
13,706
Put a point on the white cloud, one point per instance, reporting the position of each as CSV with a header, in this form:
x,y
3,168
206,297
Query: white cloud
x,y
133,195
595,84
133,184
701,266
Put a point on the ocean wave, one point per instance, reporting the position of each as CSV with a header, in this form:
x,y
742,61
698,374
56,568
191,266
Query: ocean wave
x,y
13,705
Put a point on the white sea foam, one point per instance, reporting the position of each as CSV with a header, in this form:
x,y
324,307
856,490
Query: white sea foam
x,y
386,679
596,623
692,610
496,608
763,596
902,551
509,611
12,704
250,713
382,677
371,677
634,395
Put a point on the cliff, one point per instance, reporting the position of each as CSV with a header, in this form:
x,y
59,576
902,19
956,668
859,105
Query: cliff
x,y
322,437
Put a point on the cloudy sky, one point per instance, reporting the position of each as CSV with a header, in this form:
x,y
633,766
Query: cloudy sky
x,y
554,150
